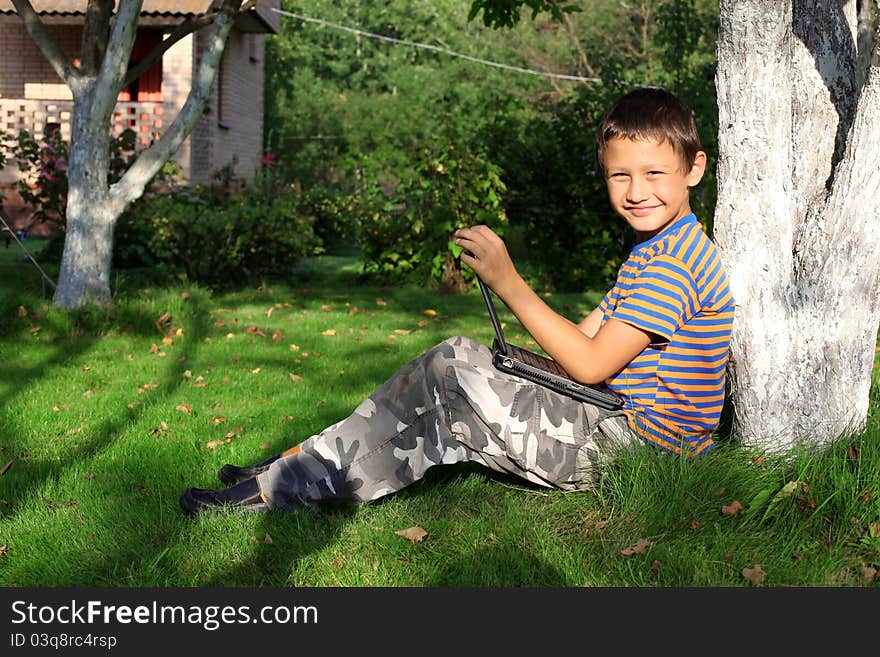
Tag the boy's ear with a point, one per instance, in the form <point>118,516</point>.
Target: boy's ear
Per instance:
<point>698,168</point>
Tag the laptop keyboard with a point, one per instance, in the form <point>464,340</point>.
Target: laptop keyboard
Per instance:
<point>535,360</point>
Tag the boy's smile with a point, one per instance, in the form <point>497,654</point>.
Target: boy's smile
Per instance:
<point>648,184</point>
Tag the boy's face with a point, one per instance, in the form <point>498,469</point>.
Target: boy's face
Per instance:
<point>647,183</point>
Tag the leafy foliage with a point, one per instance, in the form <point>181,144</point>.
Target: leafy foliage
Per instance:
<point>217,235</point>
<point>352,118</point>
<point>409,229</point>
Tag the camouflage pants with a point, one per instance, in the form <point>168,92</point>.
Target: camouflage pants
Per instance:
<point>449,405</point>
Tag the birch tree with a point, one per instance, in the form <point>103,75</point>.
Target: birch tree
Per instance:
<point>797,216</point>
<point>93,205</point>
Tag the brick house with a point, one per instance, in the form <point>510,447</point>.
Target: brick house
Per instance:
<point>231,128</point>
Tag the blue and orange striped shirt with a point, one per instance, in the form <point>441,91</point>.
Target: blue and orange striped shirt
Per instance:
<point>674,287</point>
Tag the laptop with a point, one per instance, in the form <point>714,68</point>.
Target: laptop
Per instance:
<point>541,370</point>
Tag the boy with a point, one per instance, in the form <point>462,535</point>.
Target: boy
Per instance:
<point>659,338</point>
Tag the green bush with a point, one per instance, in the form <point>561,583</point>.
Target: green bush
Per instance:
<point>405,229</point>
<point>217,236</point>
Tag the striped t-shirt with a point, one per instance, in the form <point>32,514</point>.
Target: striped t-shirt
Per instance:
<point>674,287</point>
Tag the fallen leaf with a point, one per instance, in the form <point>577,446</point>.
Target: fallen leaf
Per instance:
<point>164,318</point>
<point>353,310</point>
<point>218,419</point>
<point>732,509</point>
<point>638,547</point>
<point>185,295</point>
<point>256,370</point>
<point>214,444</point>
<point>414,534</point>
<point>184,408</point>
<point>187,374</point>
<point>755,575</point>
<point>758,460</point>
<point>22,311</point>
<point>266,540</point>
<point>3,549</point>
<point>294,377</point>
<point>326,308</point>
<point>381,302</point>
<point>329,332</point>
<point>695,524</point>
<point>166,340</point>
<point>429,313</point>
<point>147,386</point>
<point>264,445</point>
<point>422,323</point>
<point>867,495</point>
<point>286,419</point>
<point>6,467</point>
<point>270,311</point>
<point>277,335</point>
<point>254,330</point>
<point>852,452</point>
<point>402,331</point>
<point>154,348</point>
<point>294,347</point>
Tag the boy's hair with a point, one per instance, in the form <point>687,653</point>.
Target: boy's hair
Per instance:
<point>650,113</point>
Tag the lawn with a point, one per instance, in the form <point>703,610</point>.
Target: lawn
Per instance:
<point>106,415</point>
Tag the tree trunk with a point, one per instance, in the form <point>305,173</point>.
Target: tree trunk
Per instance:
<point>796,218</point>
<point>88,243</point>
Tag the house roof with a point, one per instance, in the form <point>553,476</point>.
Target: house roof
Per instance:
<point>156,10</point>
<point>74,7</point>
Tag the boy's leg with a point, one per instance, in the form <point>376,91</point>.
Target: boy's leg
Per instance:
<point>448,405</point>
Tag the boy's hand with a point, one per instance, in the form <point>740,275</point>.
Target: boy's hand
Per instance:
<point>487,255</point>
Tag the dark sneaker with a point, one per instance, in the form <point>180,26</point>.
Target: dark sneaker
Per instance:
<point>243,497</point>
<point>233,474</point>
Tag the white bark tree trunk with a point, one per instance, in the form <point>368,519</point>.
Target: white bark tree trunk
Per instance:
<point>797,220</point>
<point>93,206</point>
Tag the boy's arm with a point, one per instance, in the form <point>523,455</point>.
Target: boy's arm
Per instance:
<point>587,359</point>
<point>590,324</point>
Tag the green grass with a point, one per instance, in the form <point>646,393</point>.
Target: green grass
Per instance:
<point>105,424</point>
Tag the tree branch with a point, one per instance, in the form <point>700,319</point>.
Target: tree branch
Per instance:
<point>131,186</point>
<point>95,33</point>
<point>182,30</point>
<point>46,42</point>
<point>187,27</point>
<point>115,62</point>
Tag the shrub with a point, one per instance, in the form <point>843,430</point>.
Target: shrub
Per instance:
<point>217,236</point>
<point>405,229</point>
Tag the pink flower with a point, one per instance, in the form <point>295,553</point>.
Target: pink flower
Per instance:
<point>268,160</point>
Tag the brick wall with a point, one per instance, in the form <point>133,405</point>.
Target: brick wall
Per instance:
<point>231,128</point>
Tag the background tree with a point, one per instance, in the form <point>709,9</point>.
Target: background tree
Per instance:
<point>93,204</point>
<point>797,219</point>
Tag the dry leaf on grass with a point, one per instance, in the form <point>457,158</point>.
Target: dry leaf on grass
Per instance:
<point>294,377</point>
<point>266,540</point>
<point>755,575</point>
<point>414,534</point>
<point>329,332</point>
<point>184,408</point>
<point>638,548</point>
<point>6,467</point>
<point>732,509</point>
